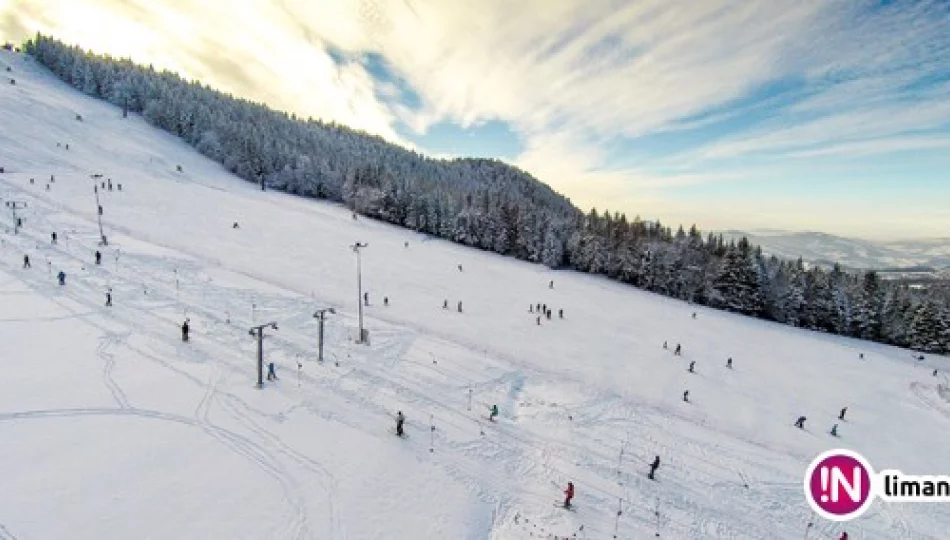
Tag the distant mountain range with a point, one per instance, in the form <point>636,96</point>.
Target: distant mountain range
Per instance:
<point>826,249</point>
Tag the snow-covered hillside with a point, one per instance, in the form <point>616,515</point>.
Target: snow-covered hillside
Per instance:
<point>112,427</point>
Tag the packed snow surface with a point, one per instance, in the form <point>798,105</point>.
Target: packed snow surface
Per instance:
<point>112,427</point>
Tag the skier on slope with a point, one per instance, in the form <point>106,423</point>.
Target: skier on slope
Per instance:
<point>729,363</point>
<point>400,419</point>
<point>841,415</point>
<point>692,365</point>
<point>109,298</point>
<point>62,277</point>
<point>53,238</point>
<point>834,430</point>
<point>98,257</point>
<point>184,330</point>
<point>271,372</point>
<point>679,350</point>
<point>568,494</point>
<point>26,264</point>
<point>460,306</point>
<point>800,423</point>
<point>844,536</point>
<point>686,396</point>
<point>560,313</point>
<point>653,467</point>
<point>494,413</point>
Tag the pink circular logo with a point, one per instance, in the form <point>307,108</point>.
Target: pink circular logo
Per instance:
<point>838,485</point>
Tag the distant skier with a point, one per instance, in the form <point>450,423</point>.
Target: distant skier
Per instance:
<point>61,276</point>
<point>691,366</point>
<point>844,536</point>
<point>235,226</point>
<point>110,184</point>
<point>686,396</point>
<point>665,346</point>
<point>460,268</point>
<point>26,264</point>
<point>729,363</point>
<point>494,413</point>
<point>271,372</point>
<point>834,430</point>
<point>109,298</point>
<point>861,356</point>
<point>551,285</point>
<point>568,494</point>
<point>538,320</point>
<point>119,187</point>
<point>679,350</point>
<point>386,301</point>
<point>407,244</point>
<point>653,467</point>
<point>98,257</point>
<point>366,298</point>
<point>400,419</point>
<point>53,237</point>
<point>935,371</point>
<point>538,307</point>
<point>445,304</point>
<point>184,330</point>
<point>549,314</point>
<point>800,423</point>
<point>560,313</point>
<point>694,314</point>
<point>531,308</point>
<point>460,306</point>
<point>841,415</point>
<point>544,307</point>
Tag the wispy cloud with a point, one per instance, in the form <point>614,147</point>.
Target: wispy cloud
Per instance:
<point>570,78</point>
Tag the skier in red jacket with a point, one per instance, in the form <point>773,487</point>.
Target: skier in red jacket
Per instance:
<point>844,536</point>
<point>568,494</point>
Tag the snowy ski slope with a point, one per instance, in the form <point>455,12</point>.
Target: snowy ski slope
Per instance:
<point>111,427</point>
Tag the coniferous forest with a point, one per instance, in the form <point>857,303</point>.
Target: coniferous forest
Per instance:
<point>493,206</point>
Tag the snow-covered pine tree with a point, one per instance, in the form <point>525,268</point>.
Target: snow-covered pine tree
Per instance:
<point>736,287</point>
<point>928,328</point>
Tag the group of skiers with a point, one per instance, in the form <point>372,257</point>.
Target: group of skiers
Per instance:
<point>800,423</point>
<point>61,275</point>
<point>544,311</point>
<point>445,305</point>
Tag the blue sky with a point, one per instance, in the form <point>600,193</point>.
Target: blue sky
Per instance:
<point>819,115</point>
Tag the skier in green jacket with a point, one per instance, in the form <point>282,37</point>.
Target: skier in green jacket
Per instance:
<point>494,413</point>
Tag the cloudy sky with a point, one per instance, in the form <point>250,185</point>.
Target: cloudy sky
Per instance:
<point>811,115</point>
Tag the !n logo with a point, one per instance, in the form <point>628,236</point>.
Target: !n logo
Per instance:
<point>838,485</point>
